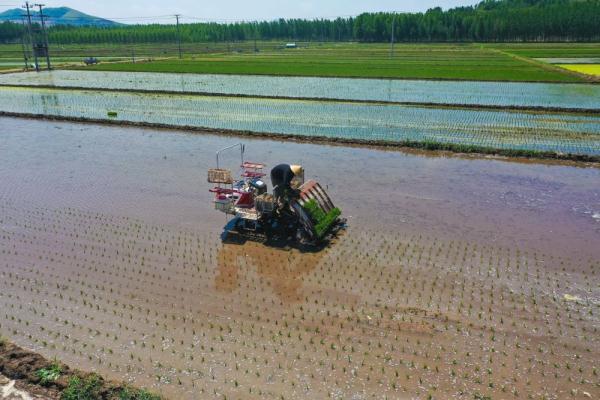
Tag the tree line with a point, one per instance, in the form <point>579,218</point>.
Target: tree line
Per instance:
<point>490,20</point>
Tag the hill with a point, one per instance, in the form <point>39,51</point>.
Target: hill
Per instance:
<point>59,16</point>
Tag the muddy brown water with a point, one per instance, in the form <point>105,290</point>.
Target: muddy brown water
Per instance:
<point>457,276</point>
<point>161,176</point>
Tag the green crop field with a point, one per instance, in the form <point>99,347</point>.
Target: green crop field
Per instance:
<point>471,61</point>
<point>429,61</point>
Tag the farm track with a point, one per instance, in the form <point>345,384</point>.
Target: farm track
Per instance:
<point>10,71</point>
<point>466,106</point>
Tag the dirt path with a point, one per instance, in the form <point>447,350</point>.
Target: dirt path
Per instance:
<point>10,391</point>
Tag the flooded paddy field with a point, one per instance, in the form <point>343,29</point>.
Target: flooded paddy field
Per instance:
<point>457,277</point>
<point>502,94</point>
<point>391,123</point>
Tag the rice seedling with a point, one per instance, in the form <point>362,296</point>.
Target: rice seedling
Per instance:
<point>463,130</point>
<point>388,313</point>
<point>408,91</point>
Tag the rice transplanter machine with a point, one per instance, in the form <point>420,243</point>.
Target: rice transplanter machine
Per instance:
<point>296,210</point>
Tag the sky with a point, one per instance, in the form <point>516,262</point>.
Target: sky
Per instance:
<point>145,11</point>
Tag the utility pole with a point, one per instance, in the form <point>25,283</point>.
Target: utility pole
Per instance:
<point>47,49</point>
<point>392,38</point>
<point>178,35</point>
<point>322,32</point>
<point>255,35</point>
<point>25,58</point>
<point>26,6</point>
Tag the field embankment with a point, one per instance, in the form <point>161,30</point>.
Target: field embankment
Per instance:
<point>28,373</point>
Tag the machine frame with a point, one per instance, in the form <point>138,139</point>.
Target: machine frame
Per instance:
<point>297,211</point>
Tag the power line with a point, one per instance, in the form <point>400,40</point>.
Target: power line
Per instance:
<point>190,17</point>
<point>91,18</point>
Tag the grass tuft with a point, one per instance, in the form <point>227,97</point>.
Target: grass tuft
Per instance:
<point>49,375</point>
<point>82,388</point>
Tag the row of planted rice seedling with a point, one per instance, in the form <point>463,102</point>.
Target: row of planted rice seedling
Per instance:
<point>385,315</point>
<point>545,95</point>
<point>575,134</point>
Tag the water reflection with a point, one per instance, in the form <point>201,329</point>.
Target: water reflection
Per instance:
<point>282,268</point>
<point>49,102</point>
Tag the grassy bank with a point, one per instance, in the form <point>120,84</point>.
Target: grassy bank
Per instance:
<point>54,380</point>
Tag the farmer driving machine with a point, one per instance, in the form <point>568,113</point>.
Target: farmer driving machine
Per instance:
<point>296,210</point>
